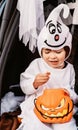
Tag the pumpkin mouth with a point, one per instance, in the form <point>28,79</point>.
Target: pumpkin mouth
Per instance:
<point>59,114</point>
<point>62,114</point>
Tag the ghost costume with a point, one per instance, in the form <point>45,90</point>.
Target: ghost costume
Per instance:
<point>63,78</point>
<point>54,35</point>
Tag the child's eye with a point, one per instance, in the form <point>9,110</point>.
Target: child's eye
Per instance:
<point>58,52</point>
<point>47,52</point>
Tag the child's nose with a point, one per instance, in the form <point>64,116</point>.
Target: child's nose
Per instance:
<point>52,55</point>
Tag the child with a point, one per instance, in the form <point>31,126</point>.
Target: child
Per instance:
<point>50,71</point>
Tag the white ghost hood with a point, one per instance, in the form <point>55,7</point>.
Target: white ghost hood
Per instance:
<point>55,34</point>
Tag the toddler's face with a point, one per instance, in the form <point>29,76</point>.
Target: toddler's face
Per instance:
<point>54,58</point>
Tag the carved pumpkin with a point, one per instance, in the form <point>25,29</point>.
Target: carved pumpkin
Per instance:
<point>54,106</point>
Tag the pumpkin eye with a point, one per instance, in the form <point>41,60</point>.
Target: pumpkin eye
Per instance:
<point>61,104</point>
<point>44,108</point>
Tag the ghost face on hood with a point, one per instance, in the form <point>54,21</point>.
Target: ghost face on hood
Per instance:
<point>55,34</point>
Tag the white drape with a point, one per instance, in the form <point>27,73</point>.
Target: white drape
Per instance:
<point>74,6</point>
<point>31,21</point>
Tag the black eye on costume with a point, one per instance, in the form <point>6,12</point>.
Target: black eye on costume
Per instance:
<point>59,28</point>
<point>52,28</point>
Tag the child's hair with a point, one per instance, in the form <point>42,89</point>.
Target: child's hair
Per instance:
<point>67,50</point>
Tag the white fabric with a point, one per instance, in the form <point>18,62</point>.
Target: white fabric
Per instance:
<point>66,126</point>
<point>74,5</point>
<point>31,21</point>
<point>10,102</point>
<point>67,21</point>
<point>63,78</point>
<point>55,28</point>
<point>55,14</point>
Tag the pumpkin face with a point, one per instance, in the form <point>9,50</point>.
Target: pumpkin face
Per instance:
<point>54,106</point>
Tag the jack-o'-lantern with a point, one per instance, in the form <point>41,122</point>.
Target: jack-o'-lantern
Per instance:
<point>54,106</point>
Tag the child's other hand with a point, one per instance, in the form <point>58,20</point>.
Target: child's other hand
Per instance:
<point>41,79</point>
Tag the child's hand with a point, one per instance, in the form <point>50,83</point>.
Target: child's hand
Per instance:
<point>41,79</point>
<point>66,91</point>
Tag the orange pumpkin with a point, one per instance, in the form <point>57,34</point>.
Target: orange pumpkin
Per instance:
<point>54,106</point>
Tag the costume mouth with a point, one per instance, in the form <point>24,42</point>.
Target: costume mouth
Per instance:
<point>55,45</point>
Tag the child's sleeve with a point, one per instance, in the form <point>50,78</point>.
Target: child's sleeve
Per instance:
<point>27,79</point>
<point>73,94</point>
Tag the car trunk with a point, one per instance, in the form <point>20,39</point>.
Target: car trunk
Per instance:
<point>15,56</point>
